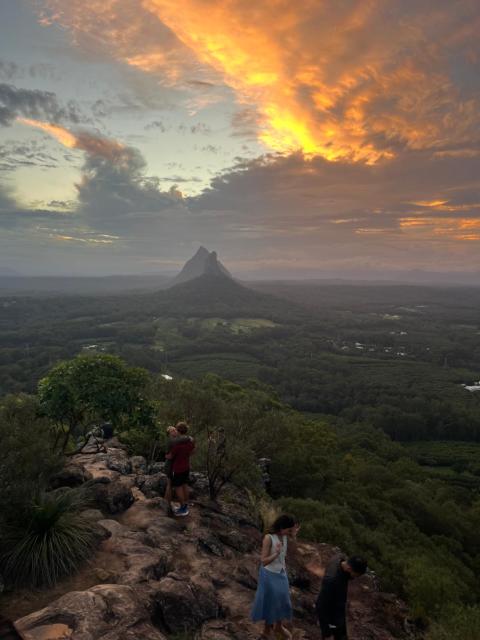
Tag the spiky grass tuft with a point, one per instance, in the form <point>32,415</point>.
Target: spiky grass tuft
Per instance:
<point>53,544</point>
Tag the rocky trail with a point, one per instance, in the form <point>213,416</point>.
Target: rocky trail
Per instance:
<point>154,577</point>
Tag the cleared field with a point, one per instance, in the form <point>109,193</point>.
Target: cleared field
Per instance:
<point>237,367</point>
<point>238,325</point>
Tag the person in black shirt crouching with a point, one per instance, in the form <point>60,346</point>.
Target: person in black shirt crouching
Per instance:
<point>332,599</point>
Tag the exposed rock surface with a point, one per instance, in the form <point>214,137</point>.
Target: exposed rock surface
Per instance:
<point>154,576</point>
<point>202,263</point>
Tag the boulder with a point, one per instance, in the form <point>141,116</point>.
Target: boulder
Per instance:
<point>199,481</point>
<point>73,475</point>
<point>246,575</point>
<point>184,605</point>
<point>237,541</point>
<point>104,611</point>
<point>113,497</point>
<point>156,467</point>
<point>138,464</point>
<point>117,460</point>
<point>210,544</point>
<point>153,486</point>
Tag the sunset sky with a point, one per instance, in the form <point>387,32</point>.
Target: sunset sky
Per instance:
<point>291,137</point>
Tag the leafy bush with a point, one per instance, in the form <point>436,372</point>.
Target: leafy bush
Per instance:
<point>148,441</point>
<point>456,624</point>
<point>54,540</point>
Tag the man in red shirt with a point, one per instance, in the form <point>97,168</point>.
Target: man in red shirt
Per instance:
<point>180,456</point>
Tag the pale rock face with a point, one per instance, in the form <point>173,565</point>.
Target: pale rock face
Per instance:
<point>115,610</point>
<point>158,576</point>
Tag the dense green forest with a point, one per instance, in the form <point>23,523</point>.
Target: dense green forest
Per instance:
<point>391,356</point>
<point>354,392</point>
<point>350,484</point>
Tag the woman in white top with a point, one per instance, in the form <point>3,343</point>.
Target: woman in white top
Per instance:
<point>272,603</point>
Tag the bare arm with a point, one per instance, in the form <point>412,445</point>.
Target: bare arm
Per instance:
<point>268,553</point>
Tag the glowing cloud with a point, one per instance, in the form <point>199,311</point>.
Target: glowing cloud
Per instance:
<point>60,133</point>
<point>93,145</point>
<point>350,80</point>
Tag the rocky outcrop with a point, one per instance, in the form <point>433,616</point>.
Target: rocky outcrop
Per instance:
<point>154,576</point>
<point>202,263</point>
<point>107,611</point>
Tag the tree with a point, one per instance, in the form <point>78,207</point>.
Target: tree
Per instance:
<point>226,459</point>
<point>80,392</point>
<point>28,458</point>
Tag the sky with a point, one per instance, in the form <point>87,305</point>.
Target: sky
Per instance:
<point>293,138</point>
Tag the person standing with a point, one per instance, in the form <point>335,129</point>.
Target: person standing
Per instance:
<point>179,455</point>
<point>332,599</point>
<point>173,438</point>
<point>272,604</point>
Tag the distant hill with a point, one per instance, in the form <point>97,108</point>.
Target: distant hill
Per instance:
<point>219,295</point>
<point>78,285</point>
<point>202,263</point>
<point>7,272</point>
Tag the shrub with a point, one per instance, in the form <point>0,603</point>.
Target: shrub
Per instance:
<point>459,624</point>
<point>54,540</point>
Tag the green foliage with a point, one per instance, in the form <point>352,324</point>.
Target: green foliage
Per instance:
<point>147,441</point>
<point>331,350</point>
<point>460,623</point>
<point>51,542</point>
<point>92,388</point>
<point>226,459</point>
<point>369,497</point>
<point>347,481</point>
<point>27,458</point>
<point>429,584</point>
<point>230,424</point>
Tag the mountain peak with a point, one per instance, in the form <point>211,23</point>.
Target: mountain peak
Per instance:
<point>202,263</point>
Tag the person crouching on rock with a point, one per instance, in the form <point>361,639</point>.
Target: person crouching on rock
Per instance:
<point>178,452</point>
<point>272,603</point>
<point>332,600</point>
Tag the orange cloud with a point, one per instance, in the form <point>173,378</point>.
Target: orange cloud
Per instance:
<point>60,133</point>
<point>463,229</point>
<point>355,81</point>
<point>92,144</point>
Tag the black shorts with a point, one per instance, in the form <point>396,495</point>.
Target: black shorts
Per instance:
<point>178,479</point>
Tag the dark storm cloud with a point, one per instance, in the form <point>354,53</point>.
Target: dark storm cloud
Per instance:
<point>417,209</point>
<point>38,104</point>
<point>13,216</point>
<point>114,192</point>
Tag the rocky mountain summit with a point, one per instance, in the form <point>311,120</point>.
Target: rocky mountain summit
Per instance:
<point>154,577</point>
<point>203,263</point>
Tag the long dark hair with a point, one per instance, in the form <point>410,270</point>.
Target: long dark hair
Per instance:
<point>284,521</point>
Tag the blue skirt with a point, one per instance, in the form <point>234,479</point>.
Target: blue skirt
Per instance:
<point>272,601</point>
